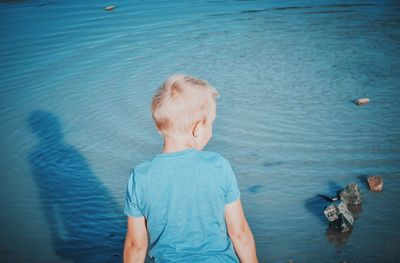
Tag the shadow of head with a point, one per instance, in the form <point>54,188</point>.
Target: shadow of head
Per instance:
<point>46,126</point>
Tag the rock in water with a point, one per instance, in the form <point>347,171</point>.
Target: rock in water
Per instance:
<point>350,195</point>
<point>375,183</point>
<point>109,8</point>
<point>361,101</point>
<point>339,217</point>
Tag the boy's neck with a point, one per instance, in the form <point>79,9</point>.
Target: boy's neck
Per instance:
<point>178,143</point>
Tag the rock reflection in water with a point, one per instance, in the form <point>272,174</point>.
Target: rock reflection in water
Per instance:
<point>337,238</point>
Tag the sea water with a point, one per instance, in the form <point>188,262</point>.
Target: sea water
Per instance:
<point>75,88</point>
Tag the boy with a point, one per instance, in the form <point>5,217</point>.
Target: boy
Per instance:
<point>185,198</point>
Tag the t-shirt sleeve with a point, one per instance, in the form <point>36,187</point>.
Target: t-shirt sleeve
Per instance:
<point>232,192</point>
<point>131,201</point>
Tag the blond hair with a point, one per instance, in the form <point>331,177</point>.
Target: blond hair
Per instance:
<point>180,102</point>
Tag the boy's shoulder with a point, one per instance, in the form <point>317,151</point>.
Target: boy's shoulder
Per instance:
<point>211,156</point>
<point>214,160</point>
<point>142,167</point>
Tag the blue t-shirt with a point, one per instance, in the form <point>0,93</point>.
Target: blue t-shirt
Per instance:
<point>182,195</point>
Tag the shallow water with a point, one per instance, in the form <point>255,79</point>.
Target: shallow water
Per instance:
<point>76,83</point>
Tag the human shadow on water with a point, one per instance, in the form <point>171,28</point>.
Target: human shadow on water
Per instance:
<point>85,222</point>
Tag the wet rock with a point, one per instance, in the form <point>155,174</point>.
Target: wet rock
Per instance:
<point>110,7</point>
<point>375,183</point>
<point>361,101</point>
<point>355,210</point>
<point>339,217</point>
<point>351,195</point>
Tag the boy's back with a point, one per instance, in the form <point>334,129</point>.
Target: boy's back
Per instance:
<point>187,200</point>
<point>182,195</point>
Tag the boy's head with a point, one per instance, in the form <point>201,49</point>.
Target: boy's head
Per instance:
<point>185,105</point>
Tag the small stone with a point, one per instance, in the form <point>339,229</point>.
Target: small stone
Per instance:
<point>361,101</point>
<point>109,8</point>
<point>375,183</point>
<point>290,261</point>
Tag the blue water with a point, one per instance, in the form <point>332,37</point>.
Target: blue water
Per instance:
<point>75,89</point>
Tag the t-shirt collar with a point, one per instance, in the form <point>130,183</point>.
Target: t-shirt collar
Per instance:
<point>176,154</point>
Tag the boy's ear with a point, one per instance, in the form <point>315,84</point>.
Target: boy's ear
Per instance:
<point>195,129</point>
